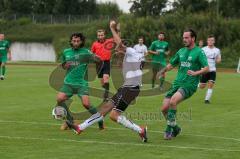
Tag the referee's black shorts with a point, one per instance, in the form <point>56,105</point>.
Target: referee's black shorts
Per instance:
<point>103,68</point>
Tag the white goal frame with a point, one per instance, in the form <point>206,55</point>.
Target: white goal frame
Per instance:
<point>238,68</point>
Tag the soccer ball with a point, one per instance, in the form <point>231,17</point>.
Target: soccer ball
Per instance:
<point>59,113</point>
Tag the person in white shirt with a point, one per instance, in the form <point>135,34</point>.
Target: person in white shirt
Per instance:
<point>141,49</point>
<point>213,56</point>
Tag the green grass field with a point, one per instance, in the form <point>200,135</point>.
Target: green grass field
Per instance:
<point>27,129</point>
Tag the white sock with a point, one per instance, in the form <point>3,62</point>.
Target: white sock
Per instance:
<point>128,124</point>
<point>93,119</point>
<point>208,94</point>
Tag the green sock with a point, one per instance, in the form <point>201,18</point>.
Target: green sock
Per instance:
<point>3,70</point>
<point>93,110</point>
<point>162,79</point>
<point>153,83</point>
<point>171,119</point>
<point>0,70</point>
<point>64,105</point>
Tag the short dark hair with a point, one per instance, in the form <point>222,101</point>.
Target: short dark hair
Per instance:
<point>161,33</point>
<point>78,35</point>
<point>141,37</point>
<point>211,36</point>
<point>192,33</point>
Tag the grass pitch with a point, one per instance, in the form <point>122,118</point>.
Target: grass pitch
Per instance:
<point>27,129</point>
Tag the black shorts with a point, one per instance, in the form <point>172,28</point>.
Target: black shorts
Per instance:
<point>123,97</point>
<point>103,68</point>
<point>210,76</point>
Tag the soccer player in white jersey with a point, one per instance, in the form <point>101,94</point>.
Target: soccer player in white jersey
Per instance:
<point>141,48</point>
<point>128,92</point>
<point>213,56</point>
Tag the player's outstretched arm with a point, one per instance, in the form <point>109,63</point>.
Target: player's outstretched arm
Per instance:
<point>116,36</point>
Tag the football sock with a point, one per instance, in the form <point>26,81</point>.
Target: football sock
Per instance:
<point>93,119</point>
<point>128,124</point>
<point>153,83</point>
<point>0,70</point>
<point>208,94</point>
<point>3,70</point>
<point>162,79</point>
<point>106,87</point>
<point>64,105</point>
<point>93,110</point>
<point>171,120</point>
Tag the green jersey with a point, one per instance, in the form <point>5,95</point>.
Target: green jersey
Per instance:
<point>194,60</point>
<point>161,47</point>
<point>78,61</point>
<point>4,46</point>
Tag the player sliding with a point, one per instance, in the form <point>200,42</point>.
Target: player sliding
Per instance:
<point>213,56</point>
<point>190,60</point>
<point>132,74</point>
<point>74,60</point>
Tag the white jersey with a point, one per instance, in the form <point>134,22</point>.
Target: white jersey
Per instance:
<point>142,49</point>
<point>131,70</point>
<point>211,54</point>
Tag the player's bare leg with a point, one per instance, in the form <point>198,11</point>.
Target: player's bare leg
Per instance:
<point>165,107</point>
<point>105,85</point>
<point>154,75</point>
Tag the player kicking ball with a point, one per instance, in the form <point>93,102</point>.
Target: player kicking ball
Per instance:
<point>75,61</point>
<point>190,60</point>
<point>132,74</point>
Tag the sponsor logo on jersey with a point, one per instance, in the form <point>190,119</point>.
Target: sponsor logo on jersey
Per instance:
<point>185,64</point>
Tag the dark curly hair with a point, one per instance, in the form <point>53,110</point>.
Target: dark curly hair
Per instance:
<point>78,35</point>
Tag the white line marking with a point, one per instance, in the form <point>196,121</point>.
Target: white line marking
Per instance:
<point>118,143</point>
<point>121,129</point>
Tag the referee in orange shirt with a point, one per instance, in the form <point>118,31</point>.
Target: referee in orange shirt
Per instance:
<point>102,50</point>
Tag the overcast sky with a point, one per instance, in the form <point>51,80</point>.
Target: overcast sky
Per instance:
<point>123,4</point>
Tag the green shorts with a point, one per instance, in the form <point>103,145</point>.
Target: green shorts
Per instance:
<point>3,58</point>
<point>186,91</point>
<point>70,90</point>
<point>157,66</point>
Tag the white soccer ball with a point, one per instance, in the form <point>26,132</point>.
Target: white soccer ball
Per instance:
<point>59,113</point>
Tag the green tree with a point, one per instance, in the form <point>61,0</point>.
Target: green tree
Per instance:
<point>147,7</point>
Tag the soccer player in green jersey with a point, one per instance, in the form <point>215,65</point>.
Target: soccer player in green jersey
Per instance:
<point>75,61</point>
<point>189,59</point>
<point>159,50</point>
<point>5,53</point>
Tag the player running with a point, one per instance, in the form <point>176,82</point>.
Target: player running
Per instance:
<point>213,56</point>
<point>102,48</point>
<point>132,74</point>
<point>5,54</point>
<point>190,60</point>
<point>75,60</point>
<point>159,49</point>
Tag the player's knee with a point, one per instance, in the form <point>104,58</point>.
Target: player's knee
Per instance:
<point>202,86</point>
<point>113,116</point>
<point>173,102</point>
<point>61,98</point>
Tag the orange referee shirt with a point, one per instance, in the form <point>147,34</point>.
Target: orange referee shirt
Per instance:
<point>103,49</point>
